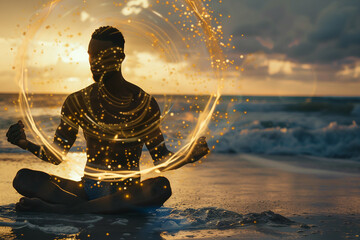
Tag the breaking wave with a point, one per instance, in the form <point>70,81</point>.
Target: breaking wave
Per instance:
<point>267,137</point>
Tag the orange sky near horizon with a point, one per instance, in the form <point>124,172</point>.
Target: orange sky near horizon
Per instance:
<point>58,62</point>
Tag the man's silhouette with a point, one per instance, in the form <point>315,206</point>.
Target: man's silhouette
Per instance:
<point>117,119</point>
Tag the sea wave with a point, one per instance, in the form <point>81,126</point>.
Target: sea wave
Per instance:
<point>356,110</point>
<point>138,224</point>
<point>320,126</point>
<point>323,107</point>
<point>216,218</point>
<point>342,108</point>
<point>334,140</point>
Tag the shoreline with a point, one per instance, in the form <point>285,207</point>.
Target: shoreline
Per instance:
<point>327,201</point>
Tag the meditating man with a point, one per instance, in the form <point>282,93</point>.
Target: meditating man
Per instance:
<point>117,119</point>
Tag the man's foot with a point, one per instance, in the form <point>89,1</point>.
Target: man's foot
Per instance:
<point>37,205</point>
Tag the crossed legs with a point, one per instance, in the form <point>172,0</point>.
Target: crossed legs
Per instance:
<point>48,193</point>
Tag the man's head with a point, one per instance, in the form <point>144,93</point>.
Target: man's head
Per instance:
<point>102,40</point>
<point>111,34</point>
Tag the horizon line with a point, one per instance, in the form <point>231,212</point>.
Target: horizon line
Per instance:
<point>193,94</point>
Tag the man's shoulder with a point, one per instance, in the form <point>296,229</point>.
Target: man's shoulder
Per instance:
<point>80,93</point>
<point>76,99</point>
<point>142,94</point>
<point>135,89</point>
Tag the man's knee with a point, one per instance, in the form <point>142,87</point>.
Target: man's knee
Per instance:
<point>163,187</point>
<point>21,178</point>
<point>27,180</point>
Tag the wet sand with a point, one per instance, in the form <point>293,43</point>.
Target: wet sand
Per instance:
<point>320,192</point>
<point>322,196</point>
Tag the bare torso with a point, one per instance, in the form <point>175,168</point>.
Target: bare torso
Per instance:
<point>115,129</point>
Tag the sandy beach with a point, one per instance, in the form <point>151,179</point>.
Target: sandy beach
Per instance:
<point>320,196</point>
<point>273,86</point>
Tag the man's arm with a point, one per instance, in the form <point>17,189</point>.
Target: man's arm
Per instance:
<point>157,148</point>
<point>64,138</point>
<point>159,152</point>
<point>155,141</point>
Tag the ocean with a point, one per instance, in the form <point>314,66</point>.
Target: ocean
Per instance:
<point>317,126</point>
<point>294,156</point>
<point>314,126</point>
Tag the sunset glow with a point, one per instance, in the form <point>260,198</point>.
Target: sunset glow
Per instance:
<point>257,58</point>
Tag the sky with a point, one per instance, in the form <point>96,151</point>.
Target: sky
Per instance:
<point>274,47</point>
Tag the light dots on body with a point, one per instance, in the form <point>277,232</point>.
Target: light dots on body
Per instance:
<point>196,26</point>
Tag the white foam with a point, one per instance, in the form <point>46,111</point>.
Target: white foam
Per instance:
<point>52,229</point>
<point>217,218</point>
<point>333,140</point>
<point>120,221</point>
<point>55,229</point>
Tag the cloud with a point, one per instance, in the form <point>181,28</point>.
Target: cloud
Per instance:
<point>304,31</point>
<point>134,7</point>
<point>302,41</point>
<point>276,66</point>
<point>281,40</point>
<point>334,37</point>
<point>350,71</point>
<point>84,16</point>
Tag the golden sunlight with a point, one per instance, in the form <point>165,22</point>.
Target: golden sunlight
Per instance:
<point>79,54</point>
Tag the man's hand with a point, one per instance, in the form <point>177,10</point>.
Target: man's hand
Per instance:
<point>199,150</point>
<point>16,135</point>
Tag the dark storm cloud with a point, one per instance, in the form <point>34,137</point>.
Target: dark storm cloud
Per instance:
<point>321,31</point>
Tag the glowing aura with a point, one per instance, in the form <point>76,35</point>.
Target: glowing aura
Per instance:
<point>218,63</point>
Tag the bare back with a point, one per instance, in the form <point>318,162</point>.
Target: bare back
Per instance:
<point>115,130</point>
